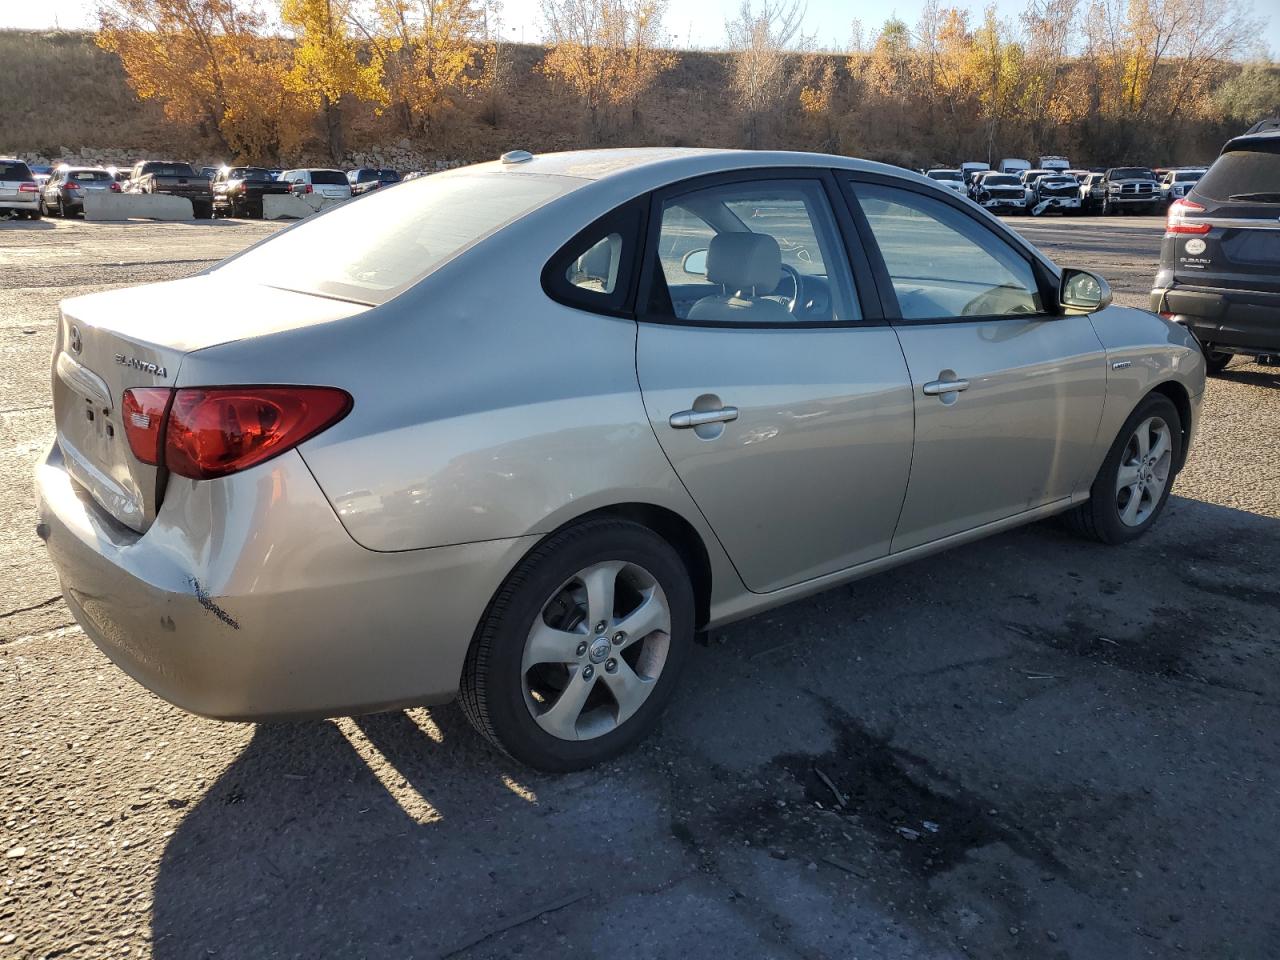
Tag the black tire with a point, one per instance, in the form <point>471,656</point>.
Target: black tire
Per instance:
<point>493,684</point>
<point>43,207</point>
<point>1099,517</point>
<point>1215,361</point>
<point>203,211</point>
<point>33,214</point>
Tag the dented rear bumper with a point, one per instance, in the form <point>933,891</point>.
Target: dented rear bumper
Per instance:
<point>247,600</point>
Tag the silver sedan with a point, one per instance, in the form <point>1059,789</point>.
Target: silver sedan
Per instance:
<point>516,432</point>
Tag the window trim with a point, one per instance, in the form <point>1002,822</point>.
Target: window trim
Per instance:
<point>1047,276</point>
<point>853,258</point>
<point>628,221</point>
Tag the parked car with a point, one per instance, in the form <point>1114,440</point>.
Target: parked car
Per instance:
<point>65,192</point>
<point>357,475</point>
<point>19,194</point>
<point>368,179</point>
<point>1054,192</point>
<point>174,178</point>
<point>998,192</point>
<point>209,172</point>
<point>1130,188</point>
<point>953,179</point>
<point>1091,193</point>
<point>1013,165</point>
<point>1175,183</point>
<point>238,191</point>
<point>330,184</point>
<point>1056,164</point>
<point>971,167</point>
<point>1219,271</point>
<point>42,172</point>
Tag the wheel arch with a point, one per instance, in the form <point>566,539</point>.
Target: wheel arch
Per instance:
<point>1181,400</point>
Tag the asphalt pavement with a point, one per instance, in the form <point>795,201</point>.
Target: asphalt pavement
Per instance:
<point>1028,747</point>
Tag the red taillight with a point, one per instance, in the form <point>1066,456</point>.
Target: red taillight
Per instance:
<point>72,185</point>
<point>308,189</point>
<point>115,187</point>
<point>1177,221</point>
<point>28,188</point>
<point>143,409</point>
<point>219,430</point>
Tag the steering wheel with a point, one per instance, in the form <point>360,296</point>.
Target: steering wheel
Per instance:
<point>797,288</point>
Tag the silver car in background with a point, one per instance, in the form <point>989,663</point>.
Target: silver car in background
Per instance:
<point>518,430</point>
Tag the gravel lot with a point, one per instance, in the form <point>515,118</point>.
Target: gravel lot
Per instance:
<point>1030,747</point>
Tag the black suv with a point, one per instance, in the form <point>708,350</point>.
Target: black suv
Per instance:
<point>1220,260</point>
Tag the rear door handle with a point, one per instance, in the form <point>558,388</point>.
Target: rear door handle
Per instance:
<point>686,419</point>
<point>937,388</point>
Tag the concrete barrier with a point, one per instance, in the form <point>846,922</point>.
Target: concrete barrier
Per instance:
<point>292,206</point>
<point>102,205</point>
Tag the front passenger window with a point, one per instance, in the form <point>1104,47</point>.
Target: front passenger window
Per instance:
<point>943,264</point>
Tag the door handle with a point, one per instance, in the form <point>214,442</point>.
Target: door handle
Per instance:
<point>686,419</point>
<point>936,388</point>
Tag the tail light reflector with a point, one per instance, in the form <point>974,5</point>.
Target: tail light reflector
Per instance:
<point>1177,221</point>
<point>28,188</point>
<point>115,186</point>
<point>215,431</point>
<point>144,409</point>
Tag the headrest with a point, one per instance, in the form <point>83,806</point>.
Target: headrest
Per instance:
<point>744,260</point>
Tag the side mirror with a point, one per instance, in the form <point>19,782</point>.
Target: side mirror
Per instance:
<point>1083,292</point>
<point>695,262</point>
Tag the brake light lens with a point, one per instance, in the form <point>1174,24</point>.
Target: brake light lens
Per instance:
<point>72,185</point>
<point>216,431</point>
<point>307,189</point>
<point>28,188</point>
<point>1177,221</point>
<point>144,409</point>
<point>115,187</point>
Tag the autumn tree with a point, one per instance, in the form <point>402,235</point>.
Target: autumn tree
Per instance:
<point>208,63</point>
<point>428,53</point>
<point>998,69</point>
<point>764,40</point>
<point>1252,94</point>
<point>1049,27</point>
<point>327,65</point>
<point>887,71</point>
<point>607,52</point>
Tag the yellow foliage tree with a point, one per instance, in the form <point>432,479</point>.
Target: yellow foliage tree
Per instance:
<point>207,62</point>
<point>608,52</point>
<point>326,63</point>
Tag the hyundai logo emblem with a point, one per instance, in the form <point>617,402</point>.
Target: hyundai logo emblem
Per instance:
<point>76,343</point>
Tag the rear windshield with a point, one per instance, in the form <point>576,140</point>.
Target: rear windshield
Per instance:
<point>169,169</point>
<point>375,249</point>
<point>388,176</point>
<point>1188,176</point>
<point>90,176</point>
<point>1132,173</point>
<point>14,170</point>
<point>943,174</point>
<point>1251,169</point>
<point>250,173</point>
<point>332,177</point>
<point>1001,180</point>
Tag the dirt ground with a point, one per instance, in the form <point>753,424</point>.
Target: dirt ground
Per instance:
<point>1030,747</point>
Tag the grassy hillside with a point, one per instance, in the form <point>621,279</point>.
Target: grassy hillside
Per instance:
<point>59,93</point>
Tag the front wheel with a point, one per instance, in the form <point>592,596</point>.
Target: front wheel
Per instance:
<point>582,646</point>
<point>1133,484</point>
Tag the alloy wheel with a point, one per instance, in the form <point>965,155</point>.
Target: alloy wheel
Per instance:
<point>1144,471</point>
<point>595,651</point>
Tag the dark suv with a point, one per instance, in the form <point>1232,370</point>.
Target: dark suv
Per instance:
<point>1220,260</point>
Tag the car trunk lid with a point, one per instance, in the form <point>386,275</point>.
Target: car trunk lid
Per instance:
<point>111,342</point>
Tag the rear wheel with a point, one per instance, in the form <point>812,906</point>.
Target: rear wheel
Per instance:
<point>1133,483</point>
<point>581,648</point>
<point>1215,360</point>
<point>34,214</point>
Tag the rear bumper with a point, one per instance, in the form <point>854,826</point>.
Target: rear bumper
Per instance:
<point>1243,320</point>
<point>247,600</point>
<point>32,204</point>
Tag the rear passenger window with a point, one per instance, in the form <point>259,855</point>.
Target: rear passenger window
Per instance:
<point>594,270</point>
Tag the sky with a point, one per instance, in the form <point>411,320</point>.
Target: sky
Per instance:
<point>692,23</point>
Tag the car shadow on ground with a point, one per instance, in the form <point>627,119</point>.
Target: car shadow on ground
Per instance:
<point>896,768</point>
<point>1252,374</point>
<point>9,223</point>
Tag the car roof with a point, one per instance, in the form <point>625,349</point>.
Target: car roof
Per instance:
<point>1250,139</point>
<point>648,168</point>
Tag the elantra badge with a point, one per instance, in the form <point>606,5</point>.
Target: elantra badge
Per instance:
<point>142,365</point>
